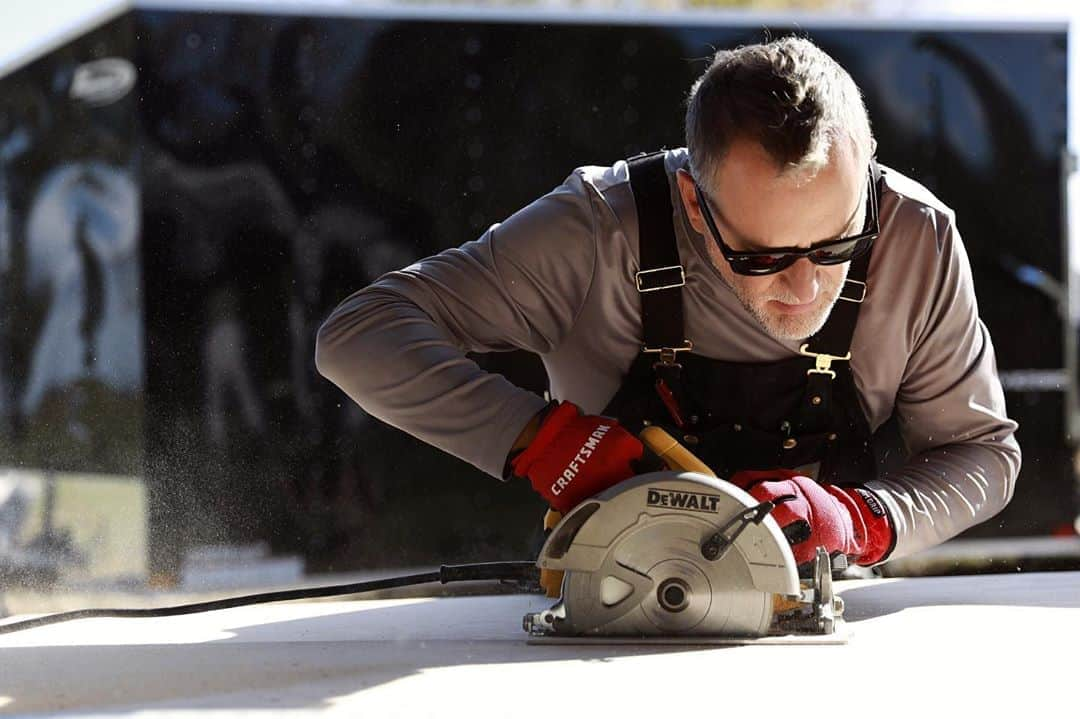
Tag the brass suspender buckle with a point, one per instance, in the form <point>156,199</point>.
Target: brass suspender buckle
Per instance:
<point>822,361</point>
<point>666,278</point>
<point>668,354</point>
<point>858,291</point>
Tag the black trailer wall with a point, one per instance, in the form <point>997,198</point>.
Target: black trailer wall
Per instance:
<point>287,161</point>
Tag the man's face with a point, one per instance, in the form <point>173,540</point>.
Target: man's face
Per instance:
<point>757,209</point>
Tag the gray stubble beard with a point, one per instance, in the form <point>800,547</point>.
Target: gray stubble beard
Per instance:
<point>797,326</point>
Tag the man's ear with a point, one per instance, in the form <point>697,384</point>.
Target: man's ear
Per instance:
<point>688,194</point>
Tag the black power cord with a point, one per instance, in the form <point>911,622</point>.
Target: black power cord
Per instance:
<point>510,571</point>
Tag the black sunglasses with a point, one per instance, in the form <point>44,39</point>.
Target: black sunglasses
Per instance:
<point>833,252</point>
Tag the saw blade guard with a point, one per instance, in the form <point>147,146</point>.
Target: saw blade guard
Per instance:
<point>634,561</point>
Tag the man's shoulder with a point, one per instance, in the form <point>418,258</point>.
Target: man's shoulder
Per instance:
<point>609,187</point>
<point>603,178</point>
<point>918,238</point>
<point>912,199</point>
<point>616,176</point>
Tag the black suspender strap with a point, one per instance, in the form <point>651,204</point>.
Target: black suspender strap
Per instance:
<point>661,275</point>
<point>833,342</point>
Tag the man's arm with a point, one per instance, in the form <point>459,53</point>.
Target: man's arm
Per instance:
<point>964,459</point>
<point>397,347</point>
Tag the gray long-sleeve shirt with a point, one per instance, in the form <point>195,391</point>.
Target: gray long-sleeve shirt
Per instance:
<point>557,278</point>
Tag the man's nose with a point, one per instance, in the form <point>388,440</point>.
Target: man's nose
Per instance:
<point>801,279</point>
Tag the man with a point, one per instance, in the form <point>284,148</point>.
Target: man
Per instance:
<point>770,294</point>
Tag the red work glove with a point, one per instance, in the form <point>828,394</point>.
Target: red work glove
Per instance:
<point>848,520</point>
<point>574,456</point>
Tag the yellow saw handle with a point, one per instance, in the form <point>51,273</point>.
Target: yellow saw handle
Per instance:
<point>668,449</point>
<point>675,456</point>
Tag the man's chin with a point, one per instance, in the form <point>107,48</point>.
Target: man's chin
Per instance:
<point>787,326</point>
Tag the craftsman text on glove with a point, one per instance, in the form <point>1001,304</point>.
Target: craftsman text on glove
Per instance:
<point>682,500</point>
<point>576,463</point>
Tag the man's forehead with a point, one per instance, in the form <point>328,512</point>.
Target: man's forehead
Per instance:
<point>761,208</point>
<point>753,242</point>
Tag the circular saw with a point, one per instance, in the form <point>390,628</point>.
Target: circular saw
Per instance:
<point>680,555</point>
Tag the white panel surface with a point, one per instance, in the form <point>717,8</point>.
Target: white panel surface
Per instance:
<point>947,646</point>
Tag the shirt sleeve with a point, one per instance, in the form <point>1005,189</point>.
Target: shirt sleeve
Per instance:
<point>950,406</point>
<point>398,347</point>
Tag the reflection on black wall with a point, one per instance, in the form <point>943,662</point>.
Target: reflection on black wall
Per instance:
<point>71,332</point>
<point>288,161</point>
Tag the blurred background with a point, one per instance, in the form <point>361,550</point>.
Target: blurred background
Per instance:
<point>188,188</point>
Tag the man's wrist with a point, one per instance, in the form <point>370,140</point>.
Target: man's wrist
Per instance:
<point>879,538</point>
<point>528,434</point>
<point>525,438</point>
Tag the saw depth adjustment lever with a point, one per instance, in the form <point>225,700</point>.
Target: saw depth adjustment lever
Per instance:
<point>717,545</point>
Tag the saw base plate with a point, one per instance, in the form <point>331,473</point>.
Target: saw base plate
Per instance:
<point>839,636</point>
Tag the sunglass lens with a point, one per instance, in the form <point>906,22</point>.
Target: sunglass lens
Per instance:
<point>764,264</point>
<point>835,254</point>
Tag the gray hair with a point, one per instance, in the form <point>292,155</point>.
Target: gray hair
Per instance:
<point>787,95</point>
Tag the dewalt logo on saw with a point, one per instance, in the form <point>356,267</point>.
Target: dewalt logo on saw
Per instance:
<point>683,500</point>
